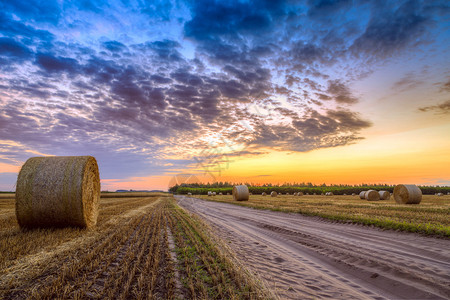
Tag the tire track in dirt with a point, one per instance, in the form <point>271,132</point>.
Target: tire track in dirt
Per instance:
<point>308,257</point>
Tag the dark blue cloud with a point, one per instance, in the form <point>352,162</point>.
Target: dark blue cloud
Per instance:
<point>114,46</point>
<point>12,52</point>
<point>56,64</point>
<point>393,29</point>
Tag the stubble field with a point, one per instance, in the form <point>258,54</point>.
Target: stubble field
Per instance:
<point>431,216</point>
<point>142,247</point>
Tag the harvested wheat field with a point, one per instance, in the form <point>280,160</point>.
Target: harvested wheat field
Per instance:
<point>142,247</point>
<point>307,257</point>
<point>432,216</point>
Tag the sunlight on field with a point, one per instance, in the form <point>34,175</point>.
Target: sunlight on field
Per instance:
<point>432,215</point>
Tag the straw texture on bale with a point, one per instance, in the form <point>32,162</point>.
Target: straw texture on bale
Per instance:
<point>273,194</point>
<point>372,195</point>
<point>384,195</point>
<point>407,194</point>
<point>240,193</point>
<point>362,195</point>
<point>58,191</point>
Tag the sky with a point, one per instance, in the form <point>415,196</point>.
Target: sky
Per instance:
<point>165,92</point>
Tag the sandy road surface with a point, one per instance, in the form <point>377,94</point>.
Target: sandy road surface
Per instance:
<point>304,257</point>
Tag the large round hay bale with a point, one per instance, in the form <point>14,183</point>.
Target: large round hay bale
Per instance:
<point>407,194</point>
<point>384,195</point>
<point>372,195</point>
<point>362,195</point>
<point>58,191</point>
<point>240,193</point>
<point>273,194</point>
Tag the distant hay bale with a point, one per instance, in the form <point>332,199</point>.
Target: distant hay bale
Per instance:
<point>440,194</point>
<point>264,194</point>
<point>220,194</point>
<point>372,195</point>
<point>228,194</point>
<point>384,195</point>
<point>273,194</point>
<point>209,193</point>
<point>344,194</point>
<point>307,194</point>
<point>214,193</point>
<point>240,193</point>
<point>353,194</point>
<point>329,194</point>
<point>251,193</point>
<point>300,194</point>
<point>407,194</point>
<point>189,194</point>
<point>58,191</point>
<point>362,195</point>
<point>314,194</point>
<point>448,193</point>
<point>287,193</point>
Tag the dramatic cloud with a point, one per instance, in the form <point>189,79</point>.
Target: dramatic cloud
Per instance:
<point>140,84</point>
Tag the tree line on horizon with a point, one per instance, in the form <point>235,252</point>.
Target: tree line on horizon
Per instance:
<point>337,189</point>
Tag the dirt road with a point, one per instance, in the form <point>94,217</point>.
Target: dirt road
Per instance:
<point>308,258</point>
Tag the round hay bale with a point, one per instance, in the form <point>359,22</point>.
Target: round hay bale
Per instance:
<point>307,194</point>
<point>214,193</point>
<point>372,195</point>
<point>189,194</point>
<point>240,193</point>
<point>448,193</point>
<point>294,194</point>
<point>300,194</point>
<point>220,194</point>
<point>440,194</point>
<point>228,194</point>
<point>407,194</point>
<point>264,194</point>
<point>287,193</point>
<point>330,194</point>
<point>209,193</point>
<point>58,191</point>
<point>353,194</point>
<point>344,194</point>
<point>273,194</point>
<point>314,194</point>
<point>362,195</point>
<point>384,195</point>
